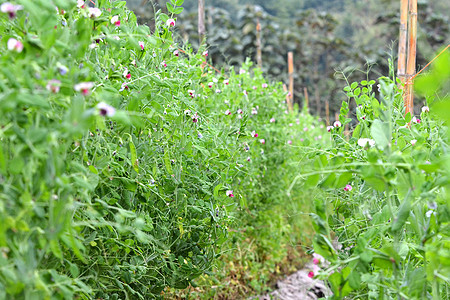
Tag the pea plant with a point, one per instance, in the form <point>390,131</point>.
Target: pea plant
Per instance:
<point>382,212</point>
<point>124,159</point>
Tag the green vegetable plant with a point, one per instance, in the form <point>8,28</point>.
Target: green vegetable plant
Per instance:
<point>382,214</point>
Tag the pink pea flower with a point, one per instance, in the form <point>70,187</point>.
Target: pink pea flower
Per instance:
<point>262,141</point>
<point>84,87</point>
<point>348,188</point>
<point>10,9</point>
<point>115,20</point>
<point>305,129</point>
<point>53,86</point>
<point>329,128</point>
<point>249,158</point>
<point>141,44</point>
<point>126,74</point>
<point>290,124</point>
<point>226,81</point>
<point>229,193</point>
<point>413,142</point>
<point>170,22</point>
<point>210,85</point>
<point>218,91</point>
<point>191,93</point>
<point>176,53</point>
<point>315,261</point>
<point>241,71</point>
<point>264,85</point>
<point>228,112</point>
<point>15,45</point>
<point>425,109</point>
<point>254,111</point>
<point>254,87</point>
<point>105,109</point>
<point>195,118</point>
<point>245,92</point>
<point>416,120</point>
<point>239,111</point>
<point>80,4</point>
<point>289,142</point>
<point>94,12</point>
<point>163,63</point>
<point>311,274</point>
<point>123,87</point>
<point>337,124</point>
<point>205,53</point>
<point>272,120</point>
<point>254,134</point>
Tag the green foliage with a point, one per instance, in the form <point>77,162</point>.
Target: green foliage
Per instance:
<point>391,221</point>
<point>117,158</point>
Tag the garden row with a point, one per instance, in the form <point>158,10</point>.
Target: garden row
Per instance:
<point>128,165</point>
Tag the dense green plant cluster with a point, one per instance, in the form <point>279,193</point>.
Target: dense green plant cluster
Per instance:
<point>126,162</point>
<point>384,195</point>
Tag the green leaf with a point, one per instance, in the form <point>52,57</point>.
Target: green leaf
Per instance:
<point>134,160</point>
<point>178,10</point>
<point>169,7</point>
<point>354,85</point>
<point>402,215</point>
<point>381,134</point>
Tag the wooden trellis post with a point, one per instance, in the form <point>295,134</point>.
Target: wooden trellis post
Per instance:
<point>201,21</point>
<point>291,78</point>
<point>327,111</point>
<point>258,44</point>
<point>305,92</point>
<point>407,50</point>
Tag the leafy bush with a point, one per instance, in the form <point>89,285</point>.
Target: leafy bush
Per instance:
<point>124,160</point>
<point>384,196</point>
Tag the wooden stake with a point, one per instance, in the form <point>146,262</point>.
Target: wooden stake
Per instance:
<point>291,76</point>
<point>305,91</point>
<point>258,44</point>
<point>327,112</point>
<point>401,67</point>
<point>201,21</point>
<point>411,63</point>
<point>288,99</point>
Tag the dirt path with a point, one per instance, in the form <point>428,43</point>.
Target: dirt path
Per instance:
<point>298,286</point>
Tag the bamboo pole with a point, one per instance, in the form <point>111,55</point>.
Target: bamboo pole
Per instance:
<point>201,21</point>
<point>305,92</point>
<point>288,99</point>
<point>291,76</point>
<point>411,62</point>
<point>258,44</point>
<point>401,67</point>
<point>327,111</point>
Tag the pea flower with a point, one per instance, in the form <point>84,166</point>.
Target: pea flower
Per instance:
<point>425,109</point>
<point>289,142</point>
<point>337,124</point>
<point>241,71</point>
<point>249,158</point>
<point>195,118</point>
<point>305,129</point>
<point>254,134</point>
<point>191,93</point>
<point>126,74</point>
<point>170,22</point>
<point>262,141</point>
<point>84,87</point>
<point>228,112</point>
<point>115,20</point>
<point>15,45</point>
<point>226,81</point>
<point>94,12</point>
<point>272,120</point>
<point>239,111</point>
<point>348,188</point>
<point>10,9</point>
<point>311,274</point>
<point>254,111</point>
<point>229,193</point>
<point>363,142</point>
<point>329,128</point>
<point>413,142</point>
<point>416,120</point>
<point>264,85</point>
<point>105,109</point>
<point>141,44</point>
<point>163,63</point>
<point>205,53</point>
<point>176,53</point>
<point>80,4</point>
<point>53,86</point>
<point>210,85</point>
<point>218,91</point>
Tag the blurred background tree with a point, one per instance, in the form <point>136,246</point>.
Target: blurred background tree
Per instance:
<point>327,37</point>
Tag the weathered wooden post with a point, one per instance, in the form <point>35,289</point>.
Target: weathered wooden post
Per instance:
<point>401,66</point>
<point>258,44</point>
<point>201,21</point>
<point>305,92</point>
<point>291,77</point>
<point>327,111</point>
